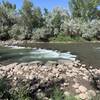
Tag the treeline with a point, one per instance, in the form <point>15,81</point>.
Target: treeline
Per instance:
<point>30,23</point>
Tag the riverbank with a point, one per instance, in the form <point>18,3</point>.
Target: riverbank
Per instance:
<point>19,42</point>
<point>71,76</point>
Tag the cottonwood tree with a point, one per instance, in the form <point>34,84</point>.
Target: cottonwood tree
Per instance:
<point>85,9</point>
<point>7,19</point>
<point>31,17</point>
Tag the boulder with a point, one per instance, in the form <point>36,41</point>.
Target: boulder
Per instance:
<point>82,89</point>
<point>91,93</point>
<point>76,85</point>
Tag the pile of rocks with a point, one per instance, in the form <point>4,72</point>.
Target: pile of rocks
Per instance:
<point>72,76</point>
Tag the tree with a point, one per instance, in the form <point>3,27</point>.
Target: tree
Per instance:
<point>7,19</point>
<point>31,18</point>
<point>26,14</point>
<point>56,22</point>
<point>85,9</point>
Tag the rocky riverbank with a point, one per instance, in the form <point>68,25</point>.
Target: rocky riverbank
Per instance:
<point>72,76</point>
<point>20,42</point>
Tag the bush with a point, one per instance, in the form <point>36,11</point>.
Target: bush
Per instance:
<point>20,93</point>
<point>64,38</point>
<point>57,94</point>
<point>4,88</point>
<point>41,33</point>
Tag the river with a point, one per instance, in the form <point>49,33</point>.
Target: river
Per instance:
<point>88,53</point>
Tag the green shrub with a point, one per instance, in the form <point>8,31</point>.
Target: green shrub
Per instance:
<point>4,88</point>
<point>21,93</point>
<point>41,33</point>
<point>65,38</point>
<point>57,94</point>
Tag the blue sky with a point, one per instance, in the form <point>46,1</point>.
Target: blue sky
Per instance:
<point>50,4</point>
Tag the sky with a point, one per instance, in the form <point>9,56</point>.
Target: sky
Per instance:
<point>49,4</point>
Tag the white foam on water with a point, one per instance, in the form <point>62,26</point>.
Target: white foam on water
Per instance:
<point>15,47</point>
<point>43,53</point>
<point>98,48</point>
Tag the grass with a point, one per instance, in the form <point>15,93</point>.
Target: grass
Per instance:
<point>57,94</point>
<point>65,38</point>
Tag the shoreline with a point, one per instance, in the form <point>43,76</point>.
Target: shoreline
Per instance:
<point>14,42</point>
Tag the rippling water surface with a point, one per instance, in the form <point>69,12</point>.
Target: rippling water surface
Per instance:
<point>22,54</point>
<point>88,53</point>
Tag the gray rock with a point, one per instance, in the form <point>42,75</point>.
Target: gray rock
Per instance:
<point>77,91</point>
<point>82,89</point>
<point>76,85</point>
<point>91,93</point>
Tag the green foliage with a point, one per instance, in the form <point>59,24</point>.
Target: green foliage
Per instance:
<point>7,19</point>
<point>8,93</point>
<point>30,23</point>
<point>54,19</point>
<point>4,88</point>
<point>41,33</point>
<point>90,29</point>
<point>85,9</point>
<point>32,16</point>
<point>71,98</point>
<point>57,94</point>
<point>21,93</point>
<point>66,38</point>
<point>72,27</point>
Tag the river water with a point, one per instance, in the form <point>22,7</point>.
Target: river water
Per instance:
<point>88,53</point>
